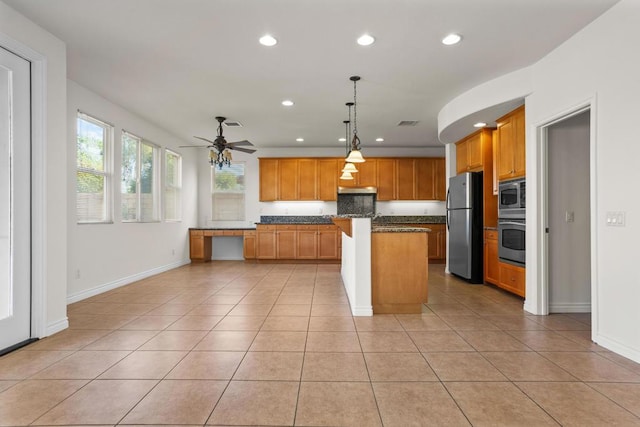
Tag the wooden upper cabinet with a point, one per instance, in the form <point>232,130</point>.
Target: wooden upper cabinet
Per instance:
<point>425,179</point>
<point>268,180</point>
<point>307,179</point>
<point>328,179</point>
<point>405,179</point>
<point>440,178</point>
<point>469,154</point>
<point>288,179</point>
<point>367,175</point>
<point>386,179</point>
<point>511,145</point>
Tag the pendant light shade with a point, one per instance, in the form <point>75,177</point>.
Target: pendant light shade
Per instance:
<point>346,176</point>
<point>350,168</point>
<point>355,156</point>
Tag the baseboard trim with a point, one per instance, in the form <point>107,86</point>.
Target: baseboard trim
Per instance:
<point>570,307</point>
<point>57,326</point>
<point>79,296</point>
<point>362,311</point>
<point>619,348</point>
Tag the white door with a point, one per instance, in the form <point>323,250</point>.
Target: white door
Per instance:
<point>15,200</point>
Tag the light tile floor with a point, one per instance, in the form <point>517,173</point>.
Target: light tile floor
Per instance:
<point>233,343</point>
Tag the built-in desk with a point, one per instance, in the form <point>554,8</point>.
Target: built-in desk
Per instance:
<point>200,241</point>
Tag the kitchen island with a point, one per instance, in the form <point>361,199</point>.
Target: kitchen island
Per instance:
<point>384,268</point>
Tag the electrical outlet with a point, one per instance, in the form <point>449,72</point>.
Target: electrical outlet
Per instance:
<point>569,216</point>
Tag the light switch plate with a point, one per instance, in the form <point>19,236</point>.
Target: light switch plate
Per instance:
<point>616,219</point>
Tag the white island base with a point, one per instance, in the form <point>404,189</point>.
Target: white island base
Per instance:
<point>356,266</point>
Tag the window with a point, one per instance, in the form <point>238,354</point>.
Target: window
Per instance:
<point>228,192</point>
<point>93,170</point>
<point>139,186</point>
<point>172,186</point>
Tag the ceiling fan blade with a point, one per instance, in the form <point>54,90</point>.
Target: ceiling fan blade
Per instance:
<point>243,142</point>
<point>205,139</point>
<point>244,150</point>
<point>194,146</point>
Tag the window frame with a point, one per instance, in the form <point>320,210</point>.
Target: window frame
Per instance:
<point>214,168</point>
<point>155,185</point>
<point>107,165</point>
<point>177,187</point>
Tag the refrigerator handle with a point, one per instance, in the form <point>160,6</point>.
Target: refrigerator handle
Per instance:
<point>447,207</point>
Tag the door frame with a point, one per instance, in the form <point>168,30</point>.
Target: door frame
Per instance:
<point>38,183</point>
<point>541,292</point>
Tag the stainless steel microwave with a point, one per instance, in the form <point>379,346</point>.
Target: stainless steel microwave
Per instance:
<point>512,199</point>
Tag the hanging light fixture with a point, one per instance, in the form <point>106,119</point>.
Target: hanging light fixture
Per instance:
<point>349,168</point>
<point>355,156</point>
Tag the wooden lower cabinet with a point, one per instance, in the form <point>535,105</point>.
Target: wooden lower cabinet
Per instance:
<point>307,242</point>
<point>286,241</point>
<point>199,246</point>
<point>437,243</point>
<point>399,270</point>
<point>249,245</point>
<point>491,269</point>
<point>329,242</point>
<point>512,278</point>
<point>265,241</point>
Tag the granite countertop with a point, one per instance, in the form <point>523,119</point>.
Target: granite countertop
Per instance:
<point>377,219</point>
<point>222,228</point>
<point>398,229</point>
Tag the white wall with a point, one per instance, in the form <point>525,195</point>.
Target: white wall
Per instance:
<point>51,129</point>
<point>598,66</point>
<point>104,256</point>
<point>254,208</point>
<point>568,192</point>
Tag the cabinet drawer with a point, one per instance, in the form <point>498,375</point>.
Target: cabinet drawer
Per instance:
<point>232,233</point>
<point>325,227</point>
<point>249,233</point>
<point>264,227</point>
<point>307,227</point>
<point>491,234</point>
<point>196,232</point>
<point>283,227</point>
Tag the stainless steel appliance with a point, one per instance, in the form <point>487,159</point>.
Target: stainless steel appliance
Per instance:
<point>512,199</point>
<point>511,240</point>
<point>464,222</point>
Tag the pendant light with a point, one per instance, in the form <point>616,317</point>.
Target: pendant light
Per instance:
<point>355,156</point>
<point>349,168</point>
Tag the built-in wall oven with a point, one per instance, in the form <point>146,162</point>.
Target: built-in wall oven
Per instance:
<point>511,221</point>
<point>511,240</point>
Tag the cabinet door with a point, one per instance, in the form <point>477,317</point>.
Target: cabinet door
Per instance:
<point>307,179</point>
<point>474,152</point>
<point>405,178</point>
<point>386,181</point>
<point>196,247</point>
<point>440,179</point>
<point>329,239</point>
<point>265,242</point>
<point>268,180</point>
<point>505,144</point>
<point>288,179</point>
<point>249,245</point>
<point>491,270</point>
<point>512,278</point>
<point>328,179</point>
<point>461,157</point>
<point>519,157</point>
<point>286,241</point>
<point>425,183</point>
<point>307,241</point>
<point>437,242</point>
<point>367,173</point>
<point>494,153</point>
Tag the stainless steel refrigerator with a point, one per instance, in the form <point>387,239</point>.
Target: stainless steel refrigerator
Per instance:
<point>464,223</point>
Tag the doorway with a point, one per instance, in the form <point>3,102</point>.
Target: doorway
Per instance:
<point>568,217</point>
<point>15,200</point>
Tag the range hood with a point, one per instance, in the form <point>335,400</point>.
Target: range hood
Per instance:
<point>357,190</point>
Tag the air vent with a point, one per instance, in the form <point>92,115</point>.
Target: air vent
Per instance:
<point>408,123</point>
<point>231,124</point>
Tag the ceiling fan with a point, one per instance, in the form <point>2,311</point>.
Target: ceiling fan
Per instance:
<point>219,154</point>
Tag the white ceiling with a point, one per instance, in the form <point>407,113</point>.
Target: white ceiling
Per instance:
<point>179,63</point>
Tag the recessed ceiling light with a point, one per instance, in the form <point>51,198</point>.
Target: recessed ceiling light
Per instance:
<point>268,40</point>
<point>366,40</point>
<point>451,39</point>
<point>300,139</point>
<point>480,125</point>
<point>342,139</point>
<point>287,103</point>
<point>379,139</point>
